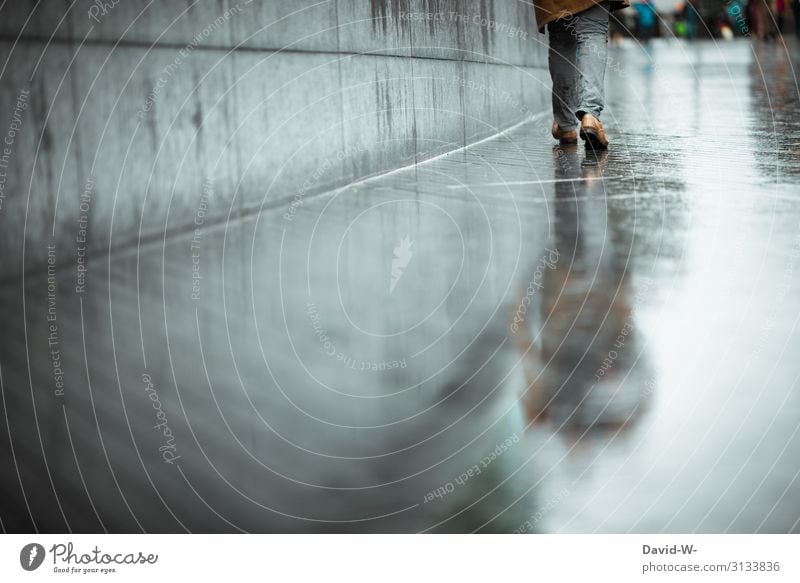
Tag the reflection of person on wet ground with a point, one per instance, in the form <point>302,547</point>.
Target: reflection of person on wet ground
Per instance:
<point>583,363</point>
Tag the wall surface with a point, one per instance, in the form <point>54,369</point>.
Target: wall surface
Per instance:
<point>131,116</point>
<point>134,131</point>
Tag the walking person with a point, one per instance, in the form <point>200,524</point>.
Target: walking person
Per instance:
<point>646,20</point>
<point>578,54</point>
<point>761,19</point>
<point>780,15</point>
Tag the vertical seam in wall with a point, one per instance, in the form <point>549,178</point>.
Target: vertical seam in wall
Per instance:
<point>461,42</point>
<point>462,97</point>
<point>73,82</point>
<point>231,122</point>
<point>236,144</point>
<point>414,134</point>
<point>343,133</point>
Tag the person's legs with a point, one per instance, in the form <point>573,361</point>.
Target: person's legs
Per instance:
<point>591,28</point>
<point>563,71</point>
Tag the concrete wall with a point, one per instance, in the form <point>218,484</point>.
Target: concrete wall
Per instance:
<point>128,122</point>
<point>143,106</point>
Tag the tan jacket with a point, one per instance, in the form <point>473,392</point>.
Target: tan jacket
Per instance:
<point>550,10</point>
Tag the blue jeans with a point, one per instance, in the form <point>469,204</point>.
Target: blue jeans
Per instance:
<point>578,55</point>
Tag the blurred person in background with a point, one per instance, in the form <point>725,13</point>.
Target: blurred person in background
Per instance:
<point>762,21</point>
<point>685,19</point>
<point>646,20</point>
<point>679,26</point>
<point>780,12</point>
<point>619,28</point>
<point>577,60</point>
<point>721,22</point>
<point>725,31</point>
<point>736,11</point>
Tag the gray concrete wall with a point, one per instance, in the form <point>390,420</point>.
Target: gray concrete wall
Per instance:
<point>134,116</point>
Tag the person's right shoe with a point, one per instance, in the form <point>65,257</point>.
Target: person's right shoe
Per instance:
<point>564,136</point>
<point>592,132</point>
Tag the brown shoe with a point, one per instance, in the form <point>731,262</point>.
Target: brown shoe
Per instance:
<point>592,132</point>
<point>564,136</point>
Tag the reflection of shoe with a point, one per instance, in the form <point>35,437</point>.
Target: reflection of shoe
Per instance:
<point>592,132</point>
<point>594,164</point>
<point>564,136</point>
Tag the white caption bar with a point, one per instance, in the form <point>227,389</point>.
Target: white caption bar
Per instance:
<point>401,558</point>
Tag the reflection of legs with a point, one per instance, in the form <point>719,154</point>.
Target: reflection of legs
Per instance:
<point>563,71</point>
<point>591,27</point>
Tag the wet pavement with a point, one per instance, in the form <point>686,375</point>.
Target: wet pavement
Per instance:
<point>515,337</point>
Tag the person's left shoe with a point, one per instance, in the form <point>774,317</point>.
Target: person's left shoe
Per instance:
<point>564,136</point>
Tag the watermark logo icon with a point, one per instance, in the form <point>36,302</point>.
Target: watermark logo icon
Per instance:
<point>31,556</point>
<point>402,257</point>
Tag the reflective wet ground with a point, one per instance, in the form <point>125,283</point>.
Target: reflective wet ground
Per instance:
<point>515,337</point>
